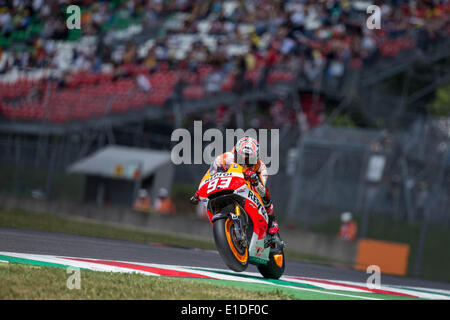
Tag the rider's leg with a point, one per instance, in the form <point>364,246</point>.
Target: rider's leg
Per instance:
<point>267,202</point>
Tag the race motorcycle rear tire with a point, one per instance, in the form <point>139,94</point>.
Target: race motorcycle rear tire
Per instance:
<point>274,268</point>
<point>234,256</point>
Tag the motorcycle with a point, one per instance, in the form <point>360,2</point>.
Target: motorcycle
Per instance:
<point>240,223</point>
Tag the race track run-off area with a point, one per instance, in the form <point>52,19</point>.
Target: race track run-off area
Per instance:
<point>297,287</point>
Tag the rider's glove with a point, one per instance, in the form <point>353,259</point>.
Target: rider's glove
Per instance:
<point>252,177</point>
<point>195,198</point>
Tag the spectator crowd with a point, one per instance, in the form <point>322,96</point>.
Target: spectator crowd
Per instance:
<point>233,34</point>
<point>220,44</point>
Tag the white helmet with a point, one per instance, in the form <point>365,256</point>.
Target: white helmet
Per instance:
<point>143,193</point>
<point>247,151</point>
<point>163,193</point>
<point>346,217</point>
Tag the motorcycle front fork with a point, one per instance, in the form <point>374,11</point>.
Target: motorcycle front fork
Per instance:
<point>238,229</point>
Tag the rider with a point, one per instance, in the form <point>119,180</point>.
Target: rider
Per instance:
<point>246,153</point>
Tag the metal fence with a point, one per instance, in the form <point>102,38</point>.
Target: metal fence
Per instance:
<point>333,176</point>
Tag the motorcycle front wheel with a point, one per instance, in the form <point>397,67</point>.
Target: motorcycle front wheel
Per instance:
<point>232,252</point>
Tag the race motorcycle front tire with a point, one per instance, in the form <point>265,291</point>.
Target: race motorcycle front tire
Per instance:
<point>234,256</point>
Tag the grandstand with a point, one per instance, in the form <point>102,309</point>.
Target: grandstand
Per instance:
<point>60,77</point>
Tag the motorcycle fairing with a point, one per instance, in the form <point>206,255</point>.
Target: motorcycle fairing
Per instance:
<point>252,205</point>
<point>258,214</point>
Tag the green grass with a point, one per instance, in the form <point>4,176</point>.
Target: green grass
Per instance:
<point>25,282</point>
<point>180,194</point>
<point>436,256</point>
<point>22,180</point>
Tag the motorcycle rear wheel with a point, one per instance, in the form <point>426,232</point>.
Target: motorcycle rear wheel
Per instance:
<point>233,254</point>
<point>274,268</point>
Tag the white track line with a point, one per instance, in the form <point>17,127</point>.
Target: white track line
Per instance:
<point>331,293</point>
<point>431,294</point>
<point>76,264</point>
<point>327,286</point>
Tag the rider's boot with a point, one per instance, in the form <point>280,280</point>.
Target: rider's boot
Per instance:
<point>273,229</point>
<point>273,225</point>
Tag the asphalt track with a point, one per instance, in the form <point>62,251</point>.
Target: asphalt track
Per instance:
<point>52,243</point>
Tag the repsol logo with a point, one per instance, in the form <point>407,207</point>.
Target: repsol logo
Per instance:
<point>220,174</point>
<point>255,199</point>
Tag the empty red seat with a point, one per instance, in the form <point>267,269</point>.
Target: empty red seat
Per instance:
<point>105,77</point>
<point>107,88</point>
<point>159,97</point>
<point>189,77</point>
<point>135,69</point>
<point>119,103</point>
<point>138,100</point>
<point>280,76</point>
<point>193,92</point>
<point>124,85</point>
<point>389,48</point>
<point>163,79</point>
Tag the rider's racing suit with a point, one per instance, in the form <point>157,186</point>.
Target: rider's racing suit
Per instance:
<point>257,175</point>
